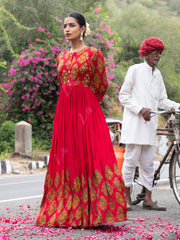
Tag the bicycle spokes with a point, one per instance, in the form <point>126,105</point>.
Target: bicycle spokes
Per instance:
<point>175,175</point>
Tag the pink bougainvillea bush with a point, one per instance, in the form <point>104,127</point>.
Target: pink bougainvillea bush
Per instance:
<point>32,87</point>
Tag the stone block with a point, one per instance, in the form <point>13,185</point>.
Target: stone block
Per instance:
<point>33,165</point>
<point>23,137</point>
<point>8,167</point>
<point>5,167</point>
<point>46,160</point>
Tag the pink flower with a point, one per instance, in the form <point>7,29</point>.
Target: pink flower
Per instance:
<point>40,29</point>
<point>39,75</point>
<point>5,85</point>
<point>178,236</point>
<point>49,34</point>
<point>37,53</point>
<point>98,35</point>
<point>40,112</point>
<point>52,88</point>
<point>12,71</point>
<point>54,74</point>
<point>96,10</point>
<point>93,43</point>
<point>58,19</point>
<point>149,237</point>
<point>23,79</point>
<point>109,43</point>
<point>31,78</point>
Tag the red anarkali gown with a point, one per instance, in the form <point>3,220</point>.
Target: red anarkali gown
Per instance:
<point>83,186</point>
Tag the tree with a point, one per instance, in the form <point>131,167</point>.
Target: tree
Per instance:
<point>32,88</point>
<point>138,21</point>
<point>30,15</point>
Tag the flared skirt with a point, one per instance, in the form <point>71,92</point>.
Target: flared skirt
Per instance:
<point>83,186</point>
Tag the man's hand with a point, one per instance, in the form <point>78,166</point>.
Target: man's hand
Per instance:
<point>145,113</point>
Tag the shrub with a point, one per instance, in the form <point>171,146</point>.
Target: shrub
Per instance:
<point>32,89</point>
<point>7,130</point>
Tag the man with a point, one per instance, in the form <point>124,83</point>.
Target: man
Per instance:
<point>142,91</point>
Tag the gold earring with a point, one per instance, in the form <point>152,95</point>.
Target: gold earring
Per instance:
<point>81,36</point>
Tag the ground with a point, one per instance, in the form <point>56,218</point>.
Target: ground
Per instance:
<point>20,163</point>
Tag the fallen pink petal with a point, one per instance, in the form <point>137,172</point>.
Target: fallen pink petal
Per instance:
<point>21,225</point>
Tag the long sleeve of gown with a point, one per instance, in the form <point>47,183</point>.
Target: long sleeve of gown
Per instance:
<point>99,77</point>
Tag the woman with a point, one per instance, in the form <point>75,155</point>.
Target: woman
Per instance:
<point>83,187</point>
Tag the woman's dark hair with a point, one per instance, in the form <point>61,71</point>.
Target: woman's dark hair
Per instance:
<point>80,19</point>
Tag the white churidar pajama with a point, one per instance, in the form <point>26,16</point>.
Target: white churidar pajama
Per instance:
<point>142,88</point>
<point>144,154</point>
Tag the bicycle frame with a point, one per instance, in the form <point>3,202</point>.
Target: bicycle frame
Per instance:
<point>171,157</point>
<point>162,162</point>
<point>174,144</point>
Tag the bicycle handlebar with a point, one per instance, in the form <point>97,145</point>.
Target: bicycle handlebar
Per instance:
<point>166,111</point>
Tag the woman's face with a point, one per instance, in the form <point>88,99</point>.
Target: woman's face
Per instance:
<point>72,29</point>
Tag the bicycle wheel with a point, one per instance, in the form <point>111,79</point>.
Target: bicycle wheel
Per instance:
<point>175,175</point>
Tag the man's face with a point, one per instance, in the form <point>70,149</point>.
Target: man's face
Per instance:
<point>152,58</point>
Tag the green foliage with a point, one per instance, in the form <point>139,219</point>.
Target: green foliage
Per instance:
<point>3,155</point>
<point>19,18</point>
<point>10,26</point>
<point>174,5</point>
<point>32,89</point>
<point>7,130</point>
<point>42,136</point>
<point>3,64</point>
<point>142,19</point>
<point>131,21</point>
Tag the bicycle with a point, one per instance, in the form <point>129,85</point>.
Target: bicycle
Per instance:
<point>114,126</point>
<point>171,157</point>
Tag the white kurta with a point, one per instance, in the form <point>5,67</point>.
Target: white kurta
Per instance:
<point>142,88</point>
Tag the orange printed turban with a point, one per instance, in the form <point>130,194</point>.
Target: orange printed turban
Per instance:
<point>149,45</point>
